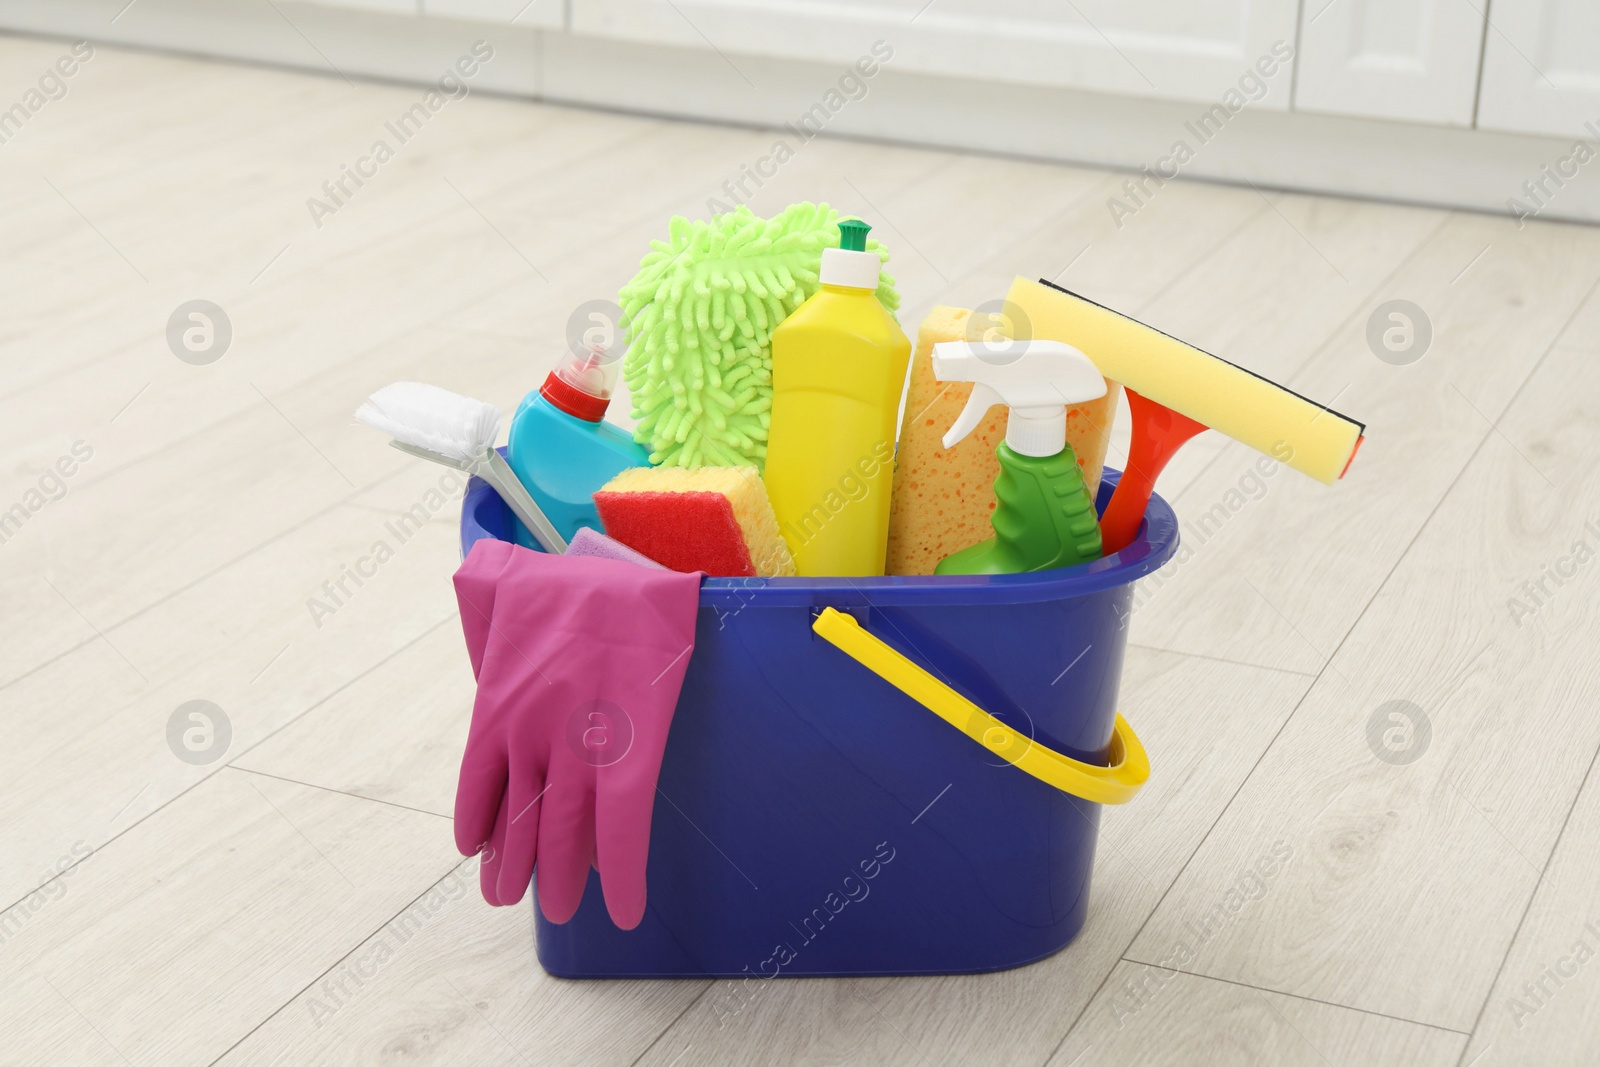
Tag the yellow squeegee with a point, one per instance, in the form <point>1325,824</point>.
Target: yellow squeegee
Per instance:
<point>1175,390</point>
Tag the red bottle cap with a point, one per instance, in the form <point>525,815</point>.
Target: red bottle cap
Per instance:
<point>572,400</point>
<point>581,384</point>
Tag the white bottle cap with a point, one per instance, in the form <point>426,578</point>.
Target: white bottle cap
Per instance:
<point>1037,432</point>
<point>858,270</point>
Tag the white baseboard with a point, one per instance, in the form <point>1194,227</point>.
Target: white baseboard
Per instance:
<point>1474,169</point>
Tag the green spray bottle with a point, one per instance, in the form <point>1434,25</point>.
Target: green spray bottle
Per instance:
<point>1044,516</point>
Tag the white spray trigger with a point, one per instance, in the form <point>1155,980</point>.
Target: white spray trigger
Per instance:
<point>978,404</point>
<point>1037,380</point>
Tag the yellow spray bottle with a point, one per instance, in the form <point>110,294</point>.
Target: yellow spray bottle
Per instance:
<point>838,366</point>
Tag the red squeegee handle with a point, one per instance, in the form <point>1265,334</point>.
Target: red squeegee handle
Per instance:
<point>1158,432</point>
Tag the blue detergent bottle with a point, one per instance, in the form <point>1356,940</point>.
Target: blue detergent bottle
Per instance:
<point>562,449</point>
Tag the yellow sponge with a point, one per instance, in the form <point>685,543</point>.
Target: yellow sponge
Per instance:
<point>712,519</point>
<point>943,497</point>
<point>1231,400</point>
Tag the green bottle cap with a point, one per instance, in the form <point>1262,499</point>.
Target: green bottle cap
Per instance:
<point>853,235</point>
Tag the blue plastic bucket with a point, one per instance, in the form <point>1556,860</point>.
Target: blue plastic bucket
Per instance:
<point>814,820</point>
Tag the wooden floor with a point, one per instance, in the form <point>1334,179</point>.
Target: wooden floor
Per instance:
<point>1435,902</point>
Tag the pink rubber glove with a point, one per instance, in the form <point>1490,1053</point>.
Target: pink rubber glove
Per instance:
<point>579,661</point>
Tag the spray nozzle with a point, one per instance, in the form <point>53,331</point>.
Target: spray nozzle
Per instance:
<point>582,382</point>
<point>853,235</point>
<point>594,370</point>
<point>1037,380</point>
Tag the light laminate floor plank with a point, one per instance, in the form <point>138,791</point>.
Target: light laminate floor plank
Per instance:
<point>1419,862</point>
<point>195,926</point>
<point>1166,1017</point>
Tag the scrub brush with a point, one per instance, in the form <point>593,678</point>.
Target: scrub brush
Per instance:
<point>457,431</point>
<point>699,318</point>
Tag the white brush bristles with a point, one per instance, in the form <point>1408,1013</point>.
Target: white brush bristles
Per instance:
<point>426,416</point>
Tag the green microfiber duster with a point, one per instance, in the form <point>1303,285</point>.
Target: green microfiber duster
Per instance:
<point>698,318</point>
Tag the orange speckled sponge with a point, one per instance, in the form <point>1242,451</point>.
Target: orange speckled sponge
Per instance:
<point>943,498</point>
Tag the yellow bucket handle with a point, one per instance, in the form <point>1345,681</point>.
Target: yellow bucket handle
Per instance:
<point>1116,784</point>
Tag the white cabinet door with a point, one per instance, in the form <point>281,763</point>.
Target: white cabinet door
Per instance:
<point>547,14</point>
<point>1541,67</point>
<point>1184,49</point>
<point>1391,59</point>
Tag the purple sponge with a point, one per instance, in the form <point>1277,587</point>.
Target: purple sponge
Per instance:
<point>587,542</point>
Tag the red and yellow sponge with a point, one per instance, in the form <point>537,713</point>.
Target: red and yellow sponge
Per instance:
<point>712,519</point>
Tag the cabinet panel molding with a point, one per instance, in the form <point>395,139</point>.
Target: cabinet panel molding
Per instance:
<point>1392,59</point>
<point>1165,49</point>
<point>1541,68</point>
